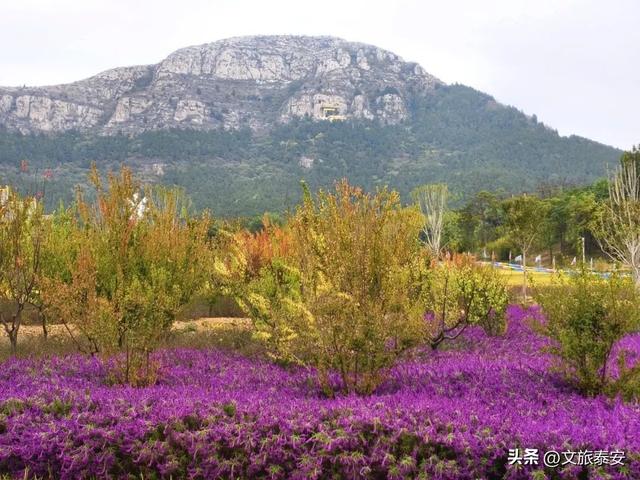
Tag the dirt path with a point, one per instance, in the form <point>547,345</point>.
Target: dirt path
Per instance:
<point>200,324</point>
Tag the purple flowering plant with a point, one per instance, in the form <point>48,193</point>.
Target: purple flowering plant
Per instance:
<point>449,414</point>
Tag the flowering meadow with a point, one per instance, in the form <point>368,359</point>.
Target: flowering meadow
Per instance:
<point>450,414</point>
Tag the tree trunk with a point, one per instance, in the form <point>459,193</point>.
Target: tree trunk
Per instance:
<point>13,333</point>
<point>43,319</point>
<point>12,329</point>
<point>635,272</point>
<point>13,338</point>
<point>524,275</point>
<point>435,343</point>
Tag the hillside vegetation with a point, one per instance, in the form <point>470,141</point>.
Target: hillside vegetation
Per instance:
<point>456,135</point>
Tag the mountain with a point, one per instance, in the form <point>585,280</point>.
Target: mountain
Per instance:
<point>240,121</point>
<point>246,81</point>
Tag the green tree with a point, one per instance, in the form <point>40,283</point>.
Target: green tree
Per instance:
<point>22,230</point>
<point>452,234</point>
<point>480,220</point>
<point>525,218</point>
<point>585,316</point>
<point>58,249</point>
<point>138,260</point>
<point>461,293</point>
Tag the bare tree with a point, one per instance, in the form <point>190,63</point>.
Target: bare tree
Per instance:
<point>432,200</point>
<point>618,231</point>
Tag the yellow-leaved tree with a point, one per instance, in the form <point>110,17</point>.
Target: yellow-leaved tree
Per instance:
<point>347,293</point>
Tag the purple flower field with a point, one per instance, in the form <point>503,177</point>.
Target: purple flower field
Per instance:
<point>448,415</point>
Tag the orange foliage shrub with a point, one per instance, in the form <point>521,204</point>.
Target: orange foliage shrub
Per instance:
<point>262,247</point>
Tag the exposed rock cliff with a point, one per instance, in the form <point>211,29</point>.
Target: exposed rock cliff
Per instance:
<point>244,81</point>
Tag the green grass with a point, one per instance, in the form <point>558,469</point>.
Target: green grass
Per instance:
<point>515,278</point>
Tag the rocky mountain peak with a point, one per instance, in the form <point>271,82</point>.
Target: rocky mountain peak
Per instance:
<point>232,83</point>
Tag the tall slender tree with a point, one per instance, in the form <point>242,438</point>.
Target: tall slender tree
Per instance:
<point>524,224</point>
<point>432,200</point>
<point>618,226</point>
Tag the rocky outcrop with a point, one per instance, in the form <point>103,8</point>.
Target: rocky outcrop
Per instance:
<point>245,81</point>
<point>42,113</point>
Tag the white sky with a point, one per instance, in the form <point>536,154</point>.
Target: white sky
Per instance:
<point>574,63</point>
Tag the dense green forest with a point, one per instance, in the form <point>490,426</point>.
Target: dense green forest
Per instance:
<point>456,135</point>
<point>565,216</point>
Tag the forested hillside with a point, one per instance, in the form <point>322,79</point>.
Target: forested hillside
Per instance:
<point>454,134</point>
